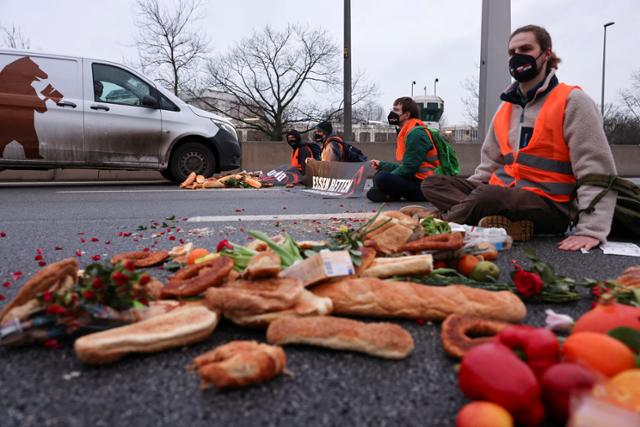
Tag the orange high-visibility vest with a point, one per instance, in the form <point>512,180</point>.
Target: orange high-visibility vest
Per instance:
<point>431,160</point>
<point>326,149</point>
<point>295,159</point>
<point>544,165</point>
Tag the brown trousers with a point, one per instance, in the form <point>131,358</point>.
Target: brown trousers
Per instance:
<point>466,202</point>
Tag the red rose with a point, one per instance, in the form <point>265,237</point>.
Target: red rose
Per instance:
<point>88,294</point>
<point>96,283</point>
<point>527,283</point>
<point>145,279</point>
<point>130,265</point>
<point>56,309</point>
<point>47,296</point>
<point>119,278</point>
<point>224,244</point>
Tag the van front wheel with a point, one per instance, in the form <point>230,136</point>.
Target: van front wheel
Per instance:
<point>192,157</point>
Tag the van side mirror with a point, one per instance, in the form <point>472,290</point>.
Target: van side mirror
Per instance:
<point>150,102</point>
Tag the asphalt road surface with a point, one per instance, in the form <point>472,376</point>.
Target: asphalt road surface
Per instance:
<point>52,388</point>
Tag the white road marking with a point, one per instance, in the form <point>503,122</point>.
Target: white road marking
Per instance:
<point>292,217</point>
<point>78,183</point>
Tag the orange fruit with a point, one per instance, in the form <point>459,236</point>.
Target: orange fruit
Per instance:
<point>599,352</point>
<point>466,264</point>
<point>622,390</point>
<point>483,414</point>
<point>195,254</point>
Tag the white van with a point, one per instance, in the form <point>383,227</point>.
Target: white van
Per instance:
<point>67,112</point>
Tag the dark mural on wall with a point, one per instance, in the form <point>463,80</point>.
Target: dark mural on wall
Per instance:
<point>19,102</point>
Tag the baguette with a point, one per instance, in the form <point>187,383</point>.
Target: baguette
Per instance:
<point>252,182</point>
<point>400,266</point>
<point>370,297</point>
<point>177,328</point>
<point>189,181</point>
<point>384,340</point>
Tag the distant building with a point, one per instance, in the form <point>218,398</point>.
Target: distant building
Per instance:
<point>460,133</point>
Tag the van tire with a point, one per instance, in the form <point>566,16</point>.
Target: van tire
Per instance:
<point>191,157</point>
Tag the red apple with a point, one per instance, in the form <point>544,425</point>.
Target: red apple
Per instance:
<point>558,382</point>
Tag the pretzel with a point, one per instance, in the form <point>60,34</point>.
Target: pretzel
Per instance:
<point>195,279</point>
<point>437,242</point>
<point>46,279</point>
<point>141,259</point>
<point>457,333</point>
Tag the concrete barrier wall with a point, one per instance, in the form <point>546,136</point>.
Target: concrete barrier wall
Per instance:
<point>266,155</point>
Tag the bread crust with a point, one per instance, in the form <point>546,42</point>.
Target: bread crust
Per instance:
<point>41,281</point>
<point>371,297</point>
<point>456,330</point>
<point>385,340</point>
<point>196,279</point>
<point>141,259</point>
<point>239,364</point>
<point>179,327</point>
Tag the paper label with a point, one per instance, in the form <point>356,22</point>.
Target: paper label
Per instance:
<point>621,248</point>
<point>337,263</point>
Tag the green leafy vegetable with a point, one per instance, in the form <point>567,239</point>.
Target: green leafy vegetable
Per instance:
<point>431,225</point>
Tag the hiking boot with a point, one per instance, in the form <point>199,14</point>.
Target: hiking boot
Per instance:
<point>420,211</point>
<point>378,196</point>
<point>520,231</point>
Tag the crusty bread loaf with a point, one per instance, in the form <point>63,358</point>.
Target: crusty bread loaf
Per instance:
<point>263,264</point>
<point>306,304</point>
<point>44,280</point>
<point>377,339</point>
<point>251,297</point>
<point>370,297</point>
<point>239,364</point>
<point>399,266</point>
<point>179,327</point>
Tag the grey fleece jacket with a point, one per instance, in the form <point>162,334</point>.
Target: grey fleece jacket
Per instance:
<point>588,149</point>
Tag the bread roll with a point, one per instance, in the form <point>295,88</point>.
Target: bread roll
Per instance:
<point>179,327</point>
<point>459,334</point>
<point>306,304</point>
<point>239,364</point>
<point>48,278</point>
<point>369,297</point>
<point>384,340</point>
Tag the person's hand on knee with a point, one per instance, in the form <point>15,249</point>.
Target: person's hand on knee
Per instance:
<point>375,164</point>
<point>574,243</point>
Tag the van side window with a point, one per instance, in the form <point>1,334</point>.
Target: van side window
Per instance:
<point>114,85</point>
<point>167,104</point>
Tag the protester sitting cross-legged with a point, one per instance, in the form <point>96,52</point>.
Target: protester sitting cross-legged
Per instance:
<point>301,151</point>
<point>544,137</point>
<point>332,145</point>
<point>415,151</point>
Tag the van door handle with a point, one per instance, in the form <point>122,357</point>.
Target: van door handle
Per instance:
<point>66,104</point>
<point>99,107</point>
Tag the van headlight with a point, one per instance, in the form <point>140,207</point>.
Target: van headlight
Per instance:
<point>227,127</point>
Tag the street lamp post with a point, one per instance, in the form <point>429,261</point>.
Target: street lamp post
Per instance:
<point>347,70</point>
<point>604,55</point>
<point>413,83</point>
<point>435,82</point>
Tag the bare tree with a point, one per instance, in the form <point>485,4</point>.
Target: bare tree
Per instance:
<point>470,101</point>
<point>169,46</point>
<point>14,39</point>
<point>631,96</point>
<point>275,79</point>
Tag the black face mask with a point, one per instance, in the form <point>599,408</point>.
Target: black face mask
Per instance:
<point>393,118</point>
<point>293,143</point>
<point>318,137</point>
<point>523,67</point>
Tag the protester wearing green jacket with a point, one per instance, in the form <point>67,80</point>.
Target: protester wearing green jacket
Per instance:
<point>415,152</point>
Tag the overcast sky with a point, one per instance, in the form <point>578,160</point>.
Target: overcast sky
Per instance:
<point>393,43</point>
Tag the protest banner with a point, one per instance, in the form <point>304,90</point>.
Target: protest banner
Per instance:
<point>336,179</point>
